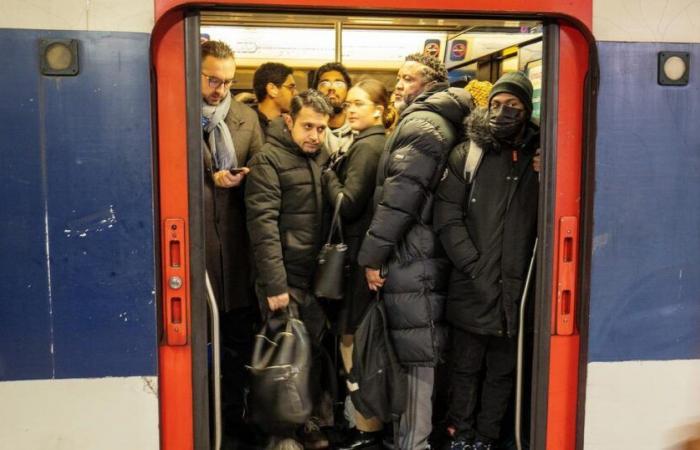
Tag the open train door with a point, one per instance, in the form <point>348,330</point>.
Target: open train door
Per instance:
<point>567,93</point>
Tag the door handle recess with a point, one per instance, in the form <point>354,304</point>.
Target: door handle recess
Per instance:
<point>176,306</point>
<point>567,262</point>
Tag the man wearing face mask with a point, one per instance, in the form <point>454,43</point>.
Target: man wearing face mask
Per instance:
<point>486,217</point>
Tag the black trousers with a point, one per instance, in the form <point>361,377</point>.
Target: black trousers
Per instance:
<point>481,383</point>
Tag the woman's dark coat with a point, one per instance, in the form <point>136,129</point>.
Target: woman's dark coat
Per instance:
<point>355,174</point>
<point>488,229</point>
<point>400,239</point>
<point>227,248</point>
<point>284,201</point>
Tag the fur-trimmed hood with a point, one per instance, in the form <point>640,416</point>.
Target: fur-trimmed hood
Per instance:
<point>476,128</point>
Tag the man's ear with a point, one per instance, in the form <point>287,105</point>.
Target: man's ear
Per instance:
<point>288,121</point>
<point>272,90</point>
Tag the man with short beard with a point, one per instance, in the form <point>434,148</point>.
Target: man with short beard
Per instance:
<point>285,220</point>
<point>486,217</point>
<point>231,135</point>
<point>333,81</point>
<point>400,252</point>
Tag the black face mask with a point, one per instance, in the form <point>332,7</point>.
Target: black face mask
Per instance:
<point>506,122</point>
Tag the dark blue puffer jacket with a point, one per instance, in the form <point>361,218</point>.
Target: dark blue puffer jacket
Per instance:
<point>400,239</point>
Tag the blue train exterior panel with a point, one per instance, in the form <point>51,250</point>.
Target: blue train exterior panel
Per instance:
<point>77,184</point>
<point>645,275</point>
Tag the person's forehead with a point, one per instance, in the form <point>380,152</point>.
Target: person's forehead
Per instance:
<point>213,63</point>
<point>332,75</point>
<point>289,79</point>
<point>357,92</point>
<point>504,97</point>
<point>308,115</point>
<point>412,68</point>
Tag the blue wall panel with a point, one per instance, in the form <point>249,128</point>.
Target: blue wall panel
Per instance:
<point>100,206</point>
<point>645,279</point>
<point>25,325</point>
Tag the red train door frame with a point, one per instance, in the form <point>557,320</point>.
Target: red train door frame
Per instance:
<point>182,354</point>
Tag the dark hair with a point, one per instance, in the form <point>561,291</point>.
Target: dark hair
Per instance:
<point>434,68</point>
<point>310,98</point>
<point>217,49</point>
<point>270,72</point>
<point>378,94</point>
<point>329,67</point>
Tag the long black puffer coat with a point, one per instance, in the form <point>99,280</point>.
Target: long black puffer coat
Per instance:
<point>284,202</point>
<point>488,229</point>
<point>400,238</point>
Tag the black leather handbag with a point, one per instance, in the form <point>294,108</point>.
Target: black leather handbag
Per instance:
<point>280,393</point>
<point>332,260</point>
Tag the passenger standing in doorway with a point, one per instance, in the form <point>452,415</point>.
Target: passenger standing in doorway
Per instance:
<point>400,252</point>
<point>285,219</point>
<point>353,173</point>
<point>274,88</point>
<point>231,136</point>
<point>486,217</point>
<point>333,81</point>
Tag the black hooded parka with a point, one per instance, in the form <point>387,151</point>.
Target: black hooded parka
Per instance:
<point>400,239</point>
<point>488,228</point>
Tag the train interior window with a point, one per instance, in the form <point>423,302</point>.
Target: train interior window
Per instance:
<point>375,47</point>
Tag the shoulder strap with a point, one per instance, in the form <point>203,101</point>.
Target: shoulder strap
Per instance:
<point>472,161</point>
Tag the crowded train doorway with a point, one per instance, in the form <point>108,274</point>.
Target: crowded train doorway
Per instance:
<point>472,49</point>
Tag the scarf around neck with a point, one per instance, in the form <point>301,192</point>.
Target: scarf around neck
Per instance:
<point>220,140</point>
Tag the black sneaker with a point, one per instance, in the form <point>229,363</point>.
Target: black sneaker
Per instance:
<point>361,440</point>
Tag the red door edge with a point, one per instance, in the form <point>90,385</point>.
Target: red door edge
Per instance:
<point>565,341</point>
<point>175,351</point>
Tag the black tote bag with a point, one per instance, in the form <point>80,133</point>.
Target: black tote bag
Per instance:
<point>332,260</point>
<point>280,393</point>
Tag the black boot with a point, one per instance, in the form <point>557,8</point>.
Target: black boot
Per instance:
<point>370,440</point>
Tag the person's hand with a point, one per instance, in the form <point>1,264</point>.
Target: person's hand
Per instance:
<point>537,161</point>
<point>224,178</point>
<point>278,301</point>
<point>374,280</point>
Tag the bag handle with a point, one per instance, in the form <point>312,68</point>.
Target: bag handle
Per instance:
<point>336,223</point>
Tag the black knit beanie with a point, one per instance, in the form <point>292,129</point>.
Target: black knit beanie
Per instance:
<point>515,83</point>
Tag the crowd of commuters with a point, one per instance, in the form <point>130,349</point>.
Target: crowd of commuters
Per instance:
<point>446,241</point>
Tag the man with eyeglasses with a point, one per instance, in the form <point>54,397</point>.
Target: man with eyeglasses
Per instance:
<point>231,135</point>
<point>274,88</point>
<point>400,252</point>
<point>333,81</point>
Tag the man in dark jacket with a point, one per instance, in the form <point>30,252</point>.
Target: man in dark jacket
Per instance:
<point>486,217</point>
<point>284,200</point>
<point>231,136</point>
<point>400,251</point>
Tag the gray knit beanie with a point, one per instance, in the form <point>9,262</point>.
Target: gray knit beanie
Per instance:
<point>515,83</point>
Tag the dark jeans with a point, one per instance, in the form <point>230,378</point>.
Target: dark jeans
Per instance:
<point>472,354</point>
<point>237,330</point>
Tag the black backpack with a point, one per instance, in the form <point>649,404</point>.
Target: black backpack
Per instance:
<point>377,382</point>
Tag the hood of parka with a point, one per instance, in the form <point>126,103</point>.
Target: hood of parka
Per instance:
<point>451,103</point>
